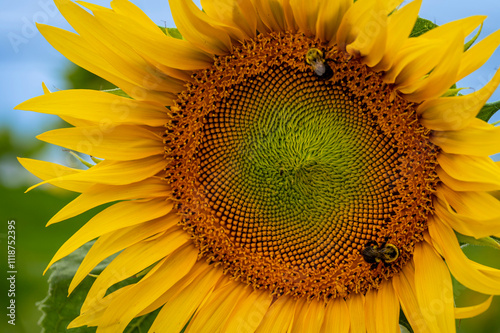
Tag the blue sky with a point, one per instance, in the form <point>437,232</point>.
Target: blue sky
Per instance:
<point>27,60</point>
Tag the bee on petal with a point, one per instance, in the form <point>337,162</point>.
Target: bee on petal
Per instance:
<point>316,59</point>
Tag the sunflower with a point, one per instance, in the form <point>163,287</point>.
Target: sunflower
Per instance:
<point>284,166</point>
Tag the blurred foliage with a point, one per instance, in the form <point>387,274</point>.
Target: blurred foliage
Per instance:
<point>7,144</point>
<point>35,246</point>
<point>80,78</point>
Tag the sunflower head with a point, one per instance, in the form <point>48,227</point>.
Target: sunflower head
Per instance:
<point>286,164</point>
<point>284,177</point>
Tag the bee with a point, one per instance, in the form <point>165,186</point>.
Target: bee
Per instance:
<point>374,254</point>
<point>316,59</point>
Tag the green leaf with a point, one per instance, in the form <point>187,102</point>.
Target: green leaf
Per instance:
<point>486,241</point>
<point>403,323</point>
<point>171,32</point>
<point>473,40</point>
<point>59,309</point>
<point>488,110</point>
<point>81,160</point>
<point>118,92</point>
<point>422,26</point>
<point>404,329</point>
<point>141,324</point>
<point>453,91</point>
<point>96,160</point>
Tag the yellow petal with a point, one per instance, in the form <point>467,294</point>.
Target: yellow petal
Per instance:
<point>356,305</point>
<point>319,19</point>
<point>248,312</point>
<point>154,45</point>
<point>199,268</point>
<point>94,315</point>
<point>476,169</point>
<point>116,51</point>
<point>472,311</point>
<point>455,113</point>
<point>315,316</point>
<point>329,17</point>
<point>478,139</point>
<point>271,15</point>
<point>124,7</point>
<point>382,310</point>
<point>442,77</point>
<point>115,241</point>
<point>291,24</point>
<point>178,310</point>
<point>400,24</point>
<point>336,313</point>
<point>77,122</point>
<point>97,106</point>
<point>127,9</point>
<point>413,61</point>
<point>310,317</point>
<point>117,216</point>
<point>477,55</point>
<point>279,317</point>
<point>474,276</point>
<point>48,171</point>
<point>470,226</point>
<point>116,172</point>
<point>346,32</point>
<point>194,25</point>
<point>240,15</point>
<point>45,89</point>
<point>372,52</point>
<point>370,311</point>
<point>306,14</point>
<point>124,308</point>
<point>99,194</point>
<point>404,285</point>
<point>120,143</point>
<point>467,25</point>
<point>79,52</point>
<point>477,205</point>
<point>213,314</point>
<point>433,289</point>
<point>363,31</point>
<point>458,185</point>
<point>422,54</point>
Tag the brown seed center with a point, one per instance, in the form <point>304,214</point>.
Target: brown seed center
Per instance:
<point>284,178</point>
